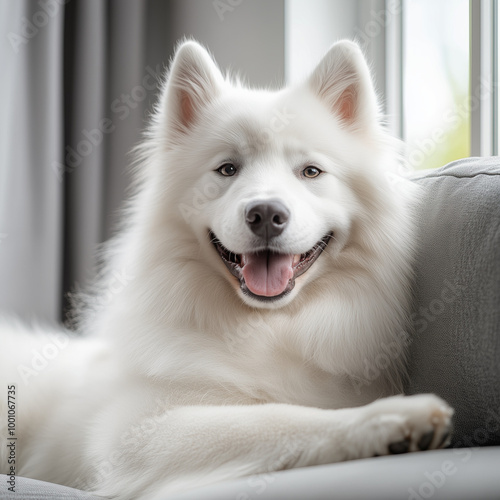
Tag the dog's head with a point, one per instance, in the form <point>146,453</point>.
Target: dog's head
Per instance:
<point>269,182</point>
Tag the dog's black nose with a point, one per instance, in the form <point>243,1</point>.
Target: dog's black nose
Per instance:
<point>267,218</point>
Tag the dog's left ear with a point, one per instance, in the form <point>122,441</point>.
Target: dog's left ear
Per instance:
<point>342,80</point>
<point>194,81</point>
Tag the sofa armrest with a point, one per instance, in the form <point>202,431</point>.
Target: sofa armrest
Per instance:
<point>455,350</point>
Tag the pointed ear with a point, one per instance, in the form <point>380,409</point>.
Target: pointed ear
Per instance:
<point>194,81</point>
<point>342,81</point>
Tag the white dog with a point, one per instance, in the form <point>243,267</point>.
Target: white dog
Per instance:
<point>256,298</point>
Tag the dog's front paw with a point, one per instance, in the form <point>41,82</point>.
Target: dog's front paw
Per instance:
<point>400,424</point>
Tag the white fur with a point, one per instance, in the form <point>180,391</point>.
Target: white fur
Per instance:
<point>180,380</point>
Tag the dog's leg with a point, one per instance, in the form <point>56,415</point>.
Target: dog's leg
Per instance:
<point>195,446</point>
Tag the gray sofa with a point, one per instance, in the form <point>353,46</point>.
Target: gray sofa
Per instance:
<point>455,353</point>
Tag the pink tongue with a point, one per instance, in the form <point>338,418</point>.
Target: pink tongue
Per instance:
<point>267,274</point>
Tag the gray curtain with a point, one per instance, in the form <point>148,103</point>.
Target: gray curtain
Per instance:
<point>74,103</point>
<point>31,137</point>
<point>77,80</point>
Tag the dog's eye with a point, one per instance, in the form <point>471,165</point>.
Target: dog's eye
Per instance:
<point>311,172</point>
<point>228,169</point>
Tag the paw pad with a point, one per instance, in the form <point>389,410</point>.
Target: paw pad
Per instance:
<point>400,447</point>
<point>425,441</point>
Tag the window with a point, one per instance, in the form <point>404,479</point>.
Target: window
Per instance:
<point>435,65</point>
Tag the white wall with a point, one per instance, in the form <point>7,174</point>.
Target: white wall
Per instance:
<point>244,35</point>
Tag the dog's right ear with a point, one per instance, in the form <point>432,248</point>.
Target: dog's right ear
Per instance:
<point>193,82</point>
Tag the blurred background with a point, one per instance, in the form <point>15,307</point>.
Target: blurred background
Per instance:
<point>79,78</point>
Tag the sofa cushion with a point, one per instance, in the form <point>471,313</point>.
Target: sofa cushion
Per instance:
<point>461,474</point>
<point>455,350</point>
<point>32,489</point>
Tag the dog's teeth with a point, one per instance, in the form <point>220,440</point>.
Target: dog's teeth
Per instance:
<point>296,260</point>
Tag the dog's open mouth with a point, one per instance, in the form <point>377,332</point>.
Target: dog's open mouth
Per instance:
<point>267,275</point>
